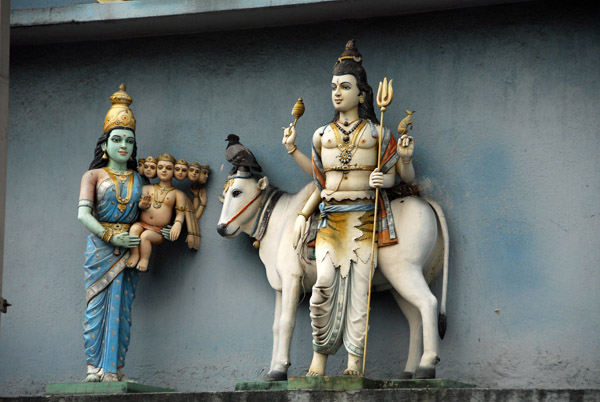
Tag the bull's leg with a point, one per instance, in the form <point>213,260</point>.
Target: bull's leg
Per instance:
<point>415,325</point>
<point>408,281</point>
<point>290,296</point>
<point>276,316</point>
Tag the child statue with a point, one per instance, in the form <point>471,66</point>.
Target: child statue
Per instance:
<point>199,174</point>
<point>140,166</point>
<point>150,167</point>
<point>344,164</point>
<point>181,169</point>
<point>108,205</point>
<point>157,204</point>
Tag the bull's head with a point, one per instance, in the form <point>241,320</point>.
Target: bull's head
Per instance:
<point>242,198</point>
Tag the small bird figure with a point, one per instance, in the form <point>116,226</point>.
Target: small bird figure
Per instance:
<point>239,155</point>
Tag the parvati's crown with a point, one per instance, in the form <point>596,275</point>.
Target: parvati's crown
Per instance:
<point>119,114</point>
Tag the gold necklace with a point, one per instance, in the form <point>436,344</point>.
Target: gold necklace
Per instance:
<point>164,191</point>
<point>118,180</point>
<point>122,176</point>
<point>346,148</point>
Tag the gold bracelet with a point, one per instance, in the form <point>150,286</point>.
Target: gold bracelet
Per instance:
<point>293,150</point>
<point>177,220</point>
<point>106,236</point>
<point>302,214</point>
<point>408,161</point>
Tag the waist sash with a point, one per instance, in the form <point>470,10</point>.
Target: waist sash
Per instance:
<point>332,209</point>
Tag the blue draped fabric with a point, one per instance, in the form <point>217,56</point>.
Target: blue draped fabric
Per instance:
<point>110,286</point>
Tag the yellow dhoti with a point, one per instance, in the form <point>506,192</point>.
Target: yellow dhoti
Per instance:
<point>338,305</point>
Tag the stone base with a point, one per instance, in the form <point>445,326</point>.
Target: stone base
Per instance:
<point>345,383</point>
<point>120,387</point>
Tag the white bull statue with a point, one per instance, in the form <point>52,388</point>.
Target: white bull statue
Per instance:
<point>252,206</point>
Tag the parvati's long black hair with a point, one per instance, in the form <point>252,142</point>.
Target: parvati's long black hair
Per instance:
<point>98,162</point>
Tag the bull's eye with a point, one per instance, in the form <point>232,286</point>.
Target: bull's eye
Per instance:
<point>236,193</point>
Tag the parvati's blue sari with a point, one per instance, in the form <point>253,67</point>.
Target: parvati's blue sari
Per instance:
<point>110,286</point>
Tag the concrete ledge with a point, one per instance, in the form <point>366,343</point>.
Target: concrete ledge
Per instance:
<point>130,19</point>
<point>403,395</point>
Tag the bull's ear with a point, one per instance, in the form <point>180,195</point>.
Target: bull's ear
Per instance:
<point>263,183</point>
<point>222,199</point>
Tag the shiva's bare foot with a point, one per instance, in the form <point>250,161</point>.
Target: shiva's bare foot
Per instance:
<point>317,366</point>
<point>354,363</point>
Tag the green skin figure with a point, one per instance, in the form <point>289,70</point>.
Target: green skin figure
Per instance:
<point>119,148</point>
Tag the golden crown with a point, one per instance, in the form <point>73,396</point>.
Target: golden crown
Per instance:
<point>151,159</point>
<point>167,157</point>
<point>119,114</point>
<point>182,162</point>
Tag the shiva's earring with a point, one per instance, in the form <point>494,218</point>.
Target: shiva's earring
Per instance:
<point>104,155</point>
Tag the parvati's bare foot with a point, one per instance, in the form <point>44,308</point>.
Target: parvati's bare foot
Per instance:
<point>110,377</point>
<point>92,378</point>
<point>350,372</point>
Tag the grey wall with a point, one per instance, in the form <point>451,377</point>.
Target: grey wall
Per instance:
<point>507,141</point>
<point>4,65</point>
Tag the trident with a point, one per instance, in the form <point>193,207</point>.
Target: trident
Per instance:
<point>385,95</point>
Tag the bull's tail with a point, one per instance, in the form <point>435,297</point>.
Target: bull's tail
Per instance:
<point>442,220</point>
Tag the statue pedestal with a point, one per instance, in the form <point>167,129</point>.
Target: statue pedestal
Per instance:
<point>120,387</point>
<point>346,383</point>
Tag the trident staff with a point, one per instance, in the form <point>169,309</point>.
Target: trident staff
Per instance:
<point>385,95</point>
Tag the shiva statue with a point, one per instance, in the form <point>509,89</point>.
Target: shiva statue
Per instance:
<point>108,205</point>
<point>344,166</point>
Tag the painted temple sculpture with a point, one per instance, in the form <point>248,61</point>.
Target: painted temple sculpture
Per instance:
<point>337,214</point>
<point>111,197</point>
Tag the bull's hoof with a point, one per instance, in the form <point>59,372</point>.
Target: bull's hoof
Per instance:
<point>406,375</point>
<point>425,373</point>
<point>276,375</point>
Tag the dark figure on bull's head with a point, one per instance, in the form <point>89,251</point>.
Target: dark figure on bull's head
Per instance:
<point>344,164</point>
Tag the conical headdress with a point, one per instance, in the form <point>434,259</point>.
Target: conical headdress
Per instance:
<point>119,114</point>
<point>350,53</point>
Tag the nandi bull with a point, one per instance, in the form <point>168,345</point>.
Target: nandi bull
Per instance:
<point>252,206</point>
